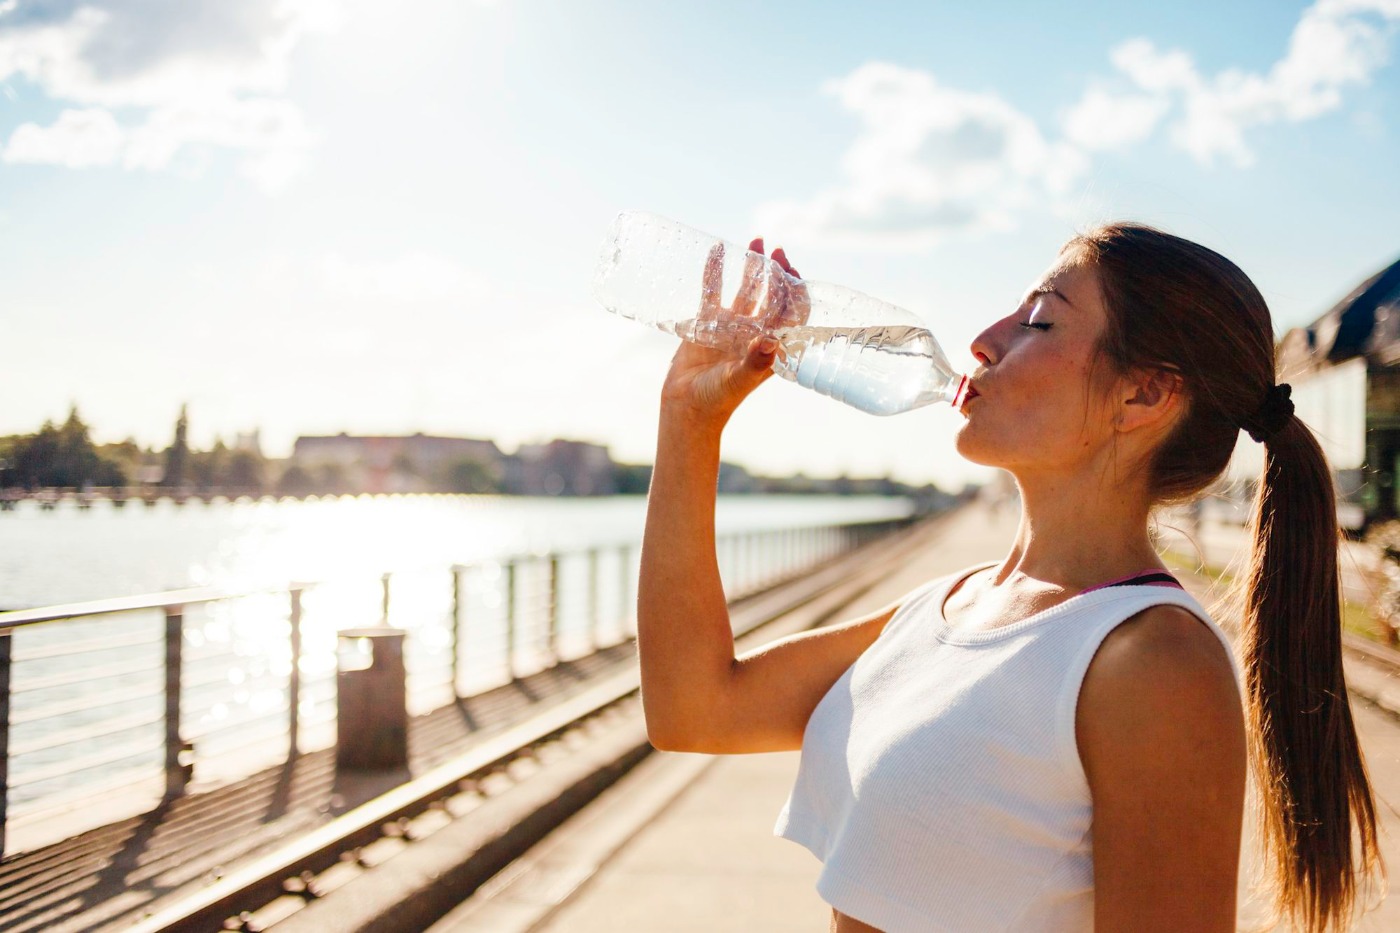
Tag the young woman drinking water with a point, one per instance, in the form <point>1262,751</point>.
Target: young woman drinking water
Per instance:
<point>1058,741</point>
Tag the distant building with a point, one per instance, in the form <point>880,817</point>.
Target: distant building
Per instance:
<point>561,468</point>
<point>249,441</point>
<point>1345,373</point>
<point>391,463</point>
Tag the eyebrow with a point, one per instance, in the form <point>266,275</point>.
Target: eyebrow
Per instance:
<point>1051,290</point>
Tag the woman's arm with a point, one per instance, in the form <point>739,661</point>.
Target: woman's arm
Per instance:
<point>1161,735</point>
<point>696,694</point>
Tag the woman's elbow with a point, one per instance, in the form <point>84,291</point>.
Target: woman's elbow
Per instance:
<point>667,735</point>
<point>663,741</point>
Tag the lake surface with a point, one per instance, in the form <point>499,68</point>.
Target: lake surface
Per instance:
<point>71,554</point>
<point>87,693</point>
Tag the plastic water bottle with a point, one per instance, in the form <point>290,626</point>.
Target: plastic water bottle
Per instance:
<point>837,341</point>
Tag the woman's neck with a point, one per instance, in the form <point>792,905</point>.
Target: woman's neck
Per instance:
<point>1077,535</point>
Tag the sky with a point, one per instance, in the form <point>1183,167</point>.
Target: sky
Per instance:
<point>313,216</point>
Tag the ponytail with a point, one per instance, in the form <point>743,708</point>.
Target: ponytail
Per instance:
<point>1178,306</point>
<point>1315,797</point>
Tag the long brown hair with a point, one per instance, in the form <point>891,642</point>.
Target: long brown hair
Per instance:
<point>1174,305</point>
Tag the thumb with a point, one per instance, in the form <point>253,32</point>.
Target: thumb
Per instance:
<point>761,353</point>
<point>757,364</point>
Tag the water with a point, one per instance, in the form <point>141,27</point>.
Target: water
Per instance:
<point>71,554</point>
<point>237,657</point>
<point>880,370</point>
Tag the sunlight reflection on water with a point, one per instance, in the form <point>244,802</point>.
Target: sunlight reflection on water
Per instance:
<point>72,554</point>
<point>237,656</point>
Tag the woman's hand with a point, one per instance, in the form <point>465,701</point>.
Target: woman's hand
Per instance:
<point>706,385</point>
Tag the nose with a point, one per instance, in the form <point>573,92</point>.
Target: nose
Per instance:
<point>984,346</point>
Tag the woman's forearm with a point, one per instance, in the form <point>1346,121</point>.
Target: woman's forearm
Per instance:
<point>683,630</point>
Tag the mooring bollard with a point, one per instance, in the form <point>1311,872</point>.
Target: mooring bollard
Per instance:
<point>371,700</point>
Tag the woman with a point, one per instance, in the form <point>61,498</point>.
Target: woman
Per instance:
<point>1057,741</point>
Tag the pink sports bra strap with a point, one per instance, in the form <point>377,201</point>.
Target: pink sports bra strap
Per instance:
<point>1141,578</point>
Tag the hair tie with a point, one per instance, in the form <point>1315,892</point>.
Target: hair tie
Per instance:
<point>1272,415</point>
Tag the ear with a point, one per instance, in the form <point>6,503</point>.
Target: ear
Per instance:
<point>1148,398</point>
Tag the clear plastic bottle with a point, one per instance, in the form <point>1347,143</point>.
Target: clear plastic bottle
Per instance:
<point>837,341</point>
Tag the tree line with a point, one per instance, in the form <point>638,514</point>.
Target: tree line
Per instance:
<point>64,456</point>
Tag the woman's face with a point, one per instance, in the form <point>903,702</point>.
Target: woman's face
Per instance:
<point>1033,406</point>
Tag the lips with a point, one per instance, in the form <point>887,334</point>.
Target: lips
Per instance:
<point>968,396</point>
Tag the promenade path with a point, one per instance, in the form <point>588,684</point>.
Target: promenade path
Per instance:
<point>685,842</point>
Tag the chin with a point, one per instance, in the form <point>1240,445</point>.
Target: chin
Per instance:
<point>975,449</point>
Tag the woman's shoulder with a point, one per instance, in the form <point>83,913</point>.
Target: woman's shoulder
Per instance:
<point>1163,675</point>
<point>1166,641</point>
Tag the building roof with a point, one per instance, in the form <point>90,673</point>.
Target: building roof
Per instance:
<point>1350,328</point>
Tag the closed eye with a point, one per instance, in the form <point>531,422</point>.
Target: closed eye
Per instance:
<point>1038,325</point>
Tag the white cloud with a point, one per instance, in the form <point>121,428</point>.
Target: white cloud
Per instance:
<point>77,139</point>
<point>1154,71</point>
<point>183,74</point>
<point>931,161</point>
<point>1104,120</point>
<point>1336,44</point>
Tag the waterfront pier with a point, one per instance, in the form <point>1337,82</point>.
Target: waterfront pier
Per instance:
<point>538,805</point>
<point>524,664</point>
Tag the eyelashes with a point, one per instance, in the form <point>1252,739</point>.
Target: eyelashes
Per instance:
<point>1037,325</point>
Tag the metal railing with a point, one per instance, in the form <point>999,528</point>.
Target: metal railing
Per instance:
<point>136,695</point>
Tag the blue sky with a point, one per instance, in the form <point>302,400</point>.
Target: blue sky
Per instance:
<point>309,216</point>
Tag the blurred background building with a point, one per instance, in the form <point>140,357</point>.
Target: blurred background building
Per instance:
<point>1345,372</point>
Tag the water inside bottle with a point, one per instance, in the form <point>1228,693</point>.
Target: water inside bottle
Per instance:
<point>732,335</point>
<point>880,370</point>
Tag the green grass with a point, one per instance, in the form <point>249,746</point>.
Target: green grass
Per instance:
<point>1188,563</point>
<point>1359,620</point>
<point>1356,617</point>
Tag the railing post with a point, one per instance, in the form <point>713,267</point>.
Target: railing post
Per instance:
<point>624,558</point>
<point>754,546</point>
<point>593,600</point>
<point>177,769</point>
<point>5,656</point>
<point>553,635</point>
<point>510,618</point>
<point>294,680</point>
<point>456,634</point>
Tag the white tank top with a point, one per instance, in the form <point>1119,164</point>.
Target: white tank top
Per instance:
<point>940,781</point>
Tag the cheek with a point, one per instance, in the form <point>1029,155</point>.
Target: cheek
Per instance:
<point>1041,411</point>
<point>1054,390</point>
<point>1069,380</point>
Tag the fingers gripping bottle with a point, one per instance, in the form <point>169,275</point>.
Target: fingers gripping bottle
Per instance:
<point>844,344</point>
